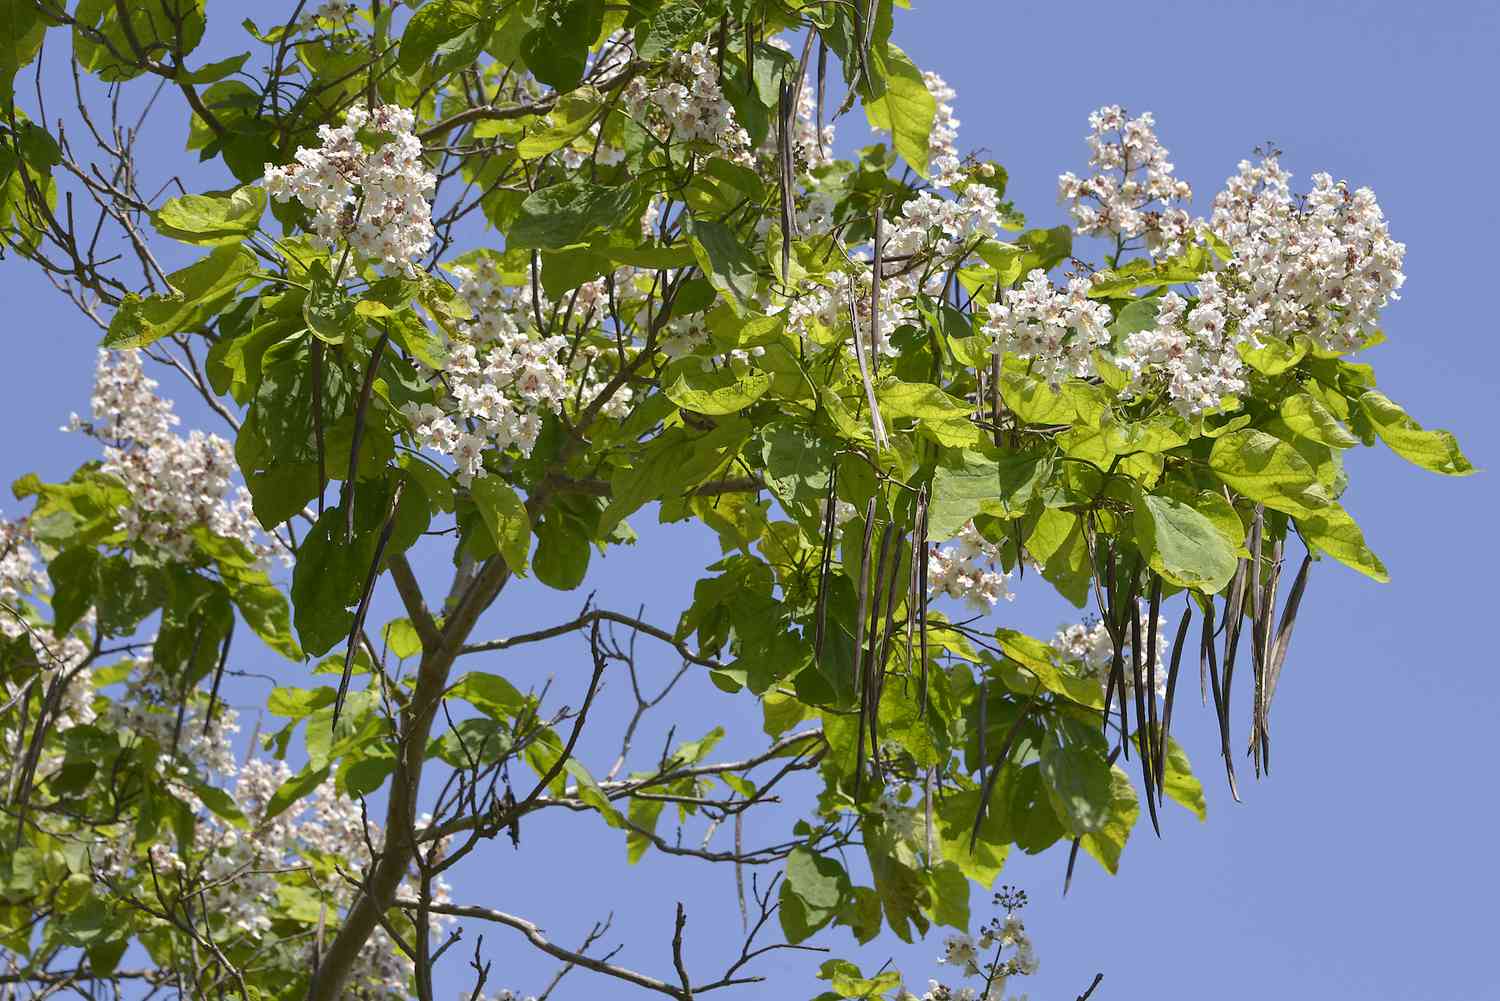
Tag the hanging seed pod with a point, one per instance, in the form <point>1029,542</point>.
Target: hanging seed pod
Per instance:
<point>1166,717</point>
<point>825,560</point>
<point>213,692</point>
<point>875,277</point>
<point>987,781</point>
<point>861,612</point>
<point>364,602</point>
<point>1141,698</point>
<point>1206,653</point>
<point>877,426</point>
<point>1234,619</point>
<point>317,419</point>
<point>361,413</point>
<point>924,549</point>
<point>1284,631</point>
<point>822,88</point>
<point>874,663</point>
<point>1150,748</point>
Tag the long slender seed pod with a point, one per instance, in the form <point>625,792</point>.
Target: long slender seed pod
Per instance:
<point>825,561</point>
<point>364,602</point>
<point>984,724</point>
<point>1141,698</point>
<point>1166,717</point>
<point>927,776</point>
<point>1234,613</point>
<point>860,613</point>
<point>1284,631</point>
<point>877,425</point>
<point>1150,744</point>
<point>987,781</point>
<point>317,419</point>
<point>874,666</point>
<point>875,276</point>
<point>924,548</point>
<point>822,87</point>
<point>1206,651</point>
<point>346,495</point>
<point>213,692</point>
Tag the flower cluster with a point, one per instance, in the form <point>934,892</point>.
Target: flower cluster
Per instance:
<point>1322,265</point>
<point>1055,330</point>
<point>175,483</point>
<point>968,570</point>
<point>498,383</point>
<point>981,956</point>
<point>689,105</point>
<point>1189,349</point>
<point>943,162</point>
<point>237,866</point>
<point>374,200</point>
<point>1132,190</point>
<point>1089,647</point>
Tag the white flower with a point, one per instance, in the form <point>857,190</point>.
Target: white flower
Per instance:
<point>968,571</point>
<point>376,201</point>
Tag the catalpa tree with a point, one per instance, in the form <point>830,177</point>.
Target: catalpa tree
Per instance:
<point>492,277</point>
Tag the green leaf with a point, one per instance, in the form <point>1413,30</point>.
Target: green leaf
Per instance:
<point>293,790</point>
<point>505,516</point>
<point>907,110</point>
<point>198,292</point>
<point>1106,844</point>
<point>569,119</point>
<point>1437,451</point>
<point>567,212</point>
<point>557,50</point>
<point>328,309</point>
<point>562,553</point>
<point>818,883</point>
<point>1266,469</point>
<point>436,24</point>
<point>1179,782</point>
<point>1333,531</point>
<point>326,580</point>
<point>263,606</point>
<point>730,267</point>
<point>953,823</point>
<point>491,695</point>
<point>401,639</point>
<point>1185,547</point>
<point>1273,357</point>
<point>299,703</point>
<point>1078,784</point>
<point>1311,419</point>
<point>214,218</point>
<point>971,483</point>
<point>712,391</point>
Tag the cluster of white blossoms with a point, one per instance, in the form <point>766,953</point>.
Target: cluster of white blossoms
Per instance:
<point>943,162</point>
<point>373,200</point>
<point>1089,647</point>
<point>175,483</point>
<point>1056,330</point>
<point>497,384</point>
<point>980,957</point>
<point>505,995</point>
<point>239,867</point>
<point>689,105</point>
<point>21,578</point>
<point>1323,265</point>
<point>1190,350</point>
<point>969,570</point>
<point>1132,190</point>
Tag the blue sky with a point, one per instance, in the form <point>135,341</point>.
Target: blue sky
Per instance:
<point>1361,869</point>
